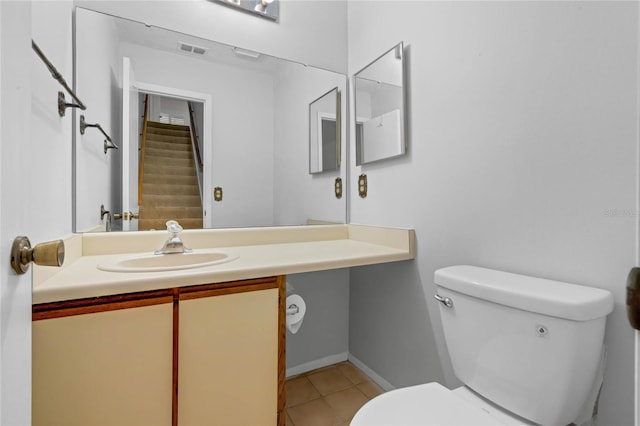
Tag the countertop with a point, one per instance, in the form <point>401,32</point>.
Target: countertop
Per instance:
<point>260,252</point>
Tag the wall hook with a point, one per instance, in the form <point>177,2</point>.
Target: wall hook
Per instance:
<point>63,104</point>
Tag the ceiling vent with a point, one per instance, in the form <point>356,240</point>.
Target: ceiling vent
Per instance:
<point>186,47</point>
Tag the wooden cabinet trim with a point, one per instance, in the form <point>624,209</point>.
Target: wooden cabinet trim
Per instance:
<point>176,342</point>
<point>92,305</point>
<point>212,292</point>
<point>282,345</point>
<point>59,310</point>
<point>219,289</point>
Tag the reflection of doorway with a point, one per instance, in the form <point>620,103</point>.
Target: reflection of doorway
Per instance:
<point>329,142</point>
<point>203,106</point>
<point>169,184</point>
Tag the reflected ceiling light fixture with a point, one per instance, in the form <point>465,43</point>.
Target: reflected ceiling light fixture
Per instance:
<point>246,53</point>
<point>262,5</point>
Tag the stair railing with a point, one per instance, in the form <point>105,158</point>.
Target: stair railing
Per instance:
<point>143,141</point>
<point>194,137</point>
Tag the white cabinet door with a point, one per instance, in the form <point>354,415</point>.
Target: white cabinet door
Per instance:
<point>106,368</point>
<point>228,362</point>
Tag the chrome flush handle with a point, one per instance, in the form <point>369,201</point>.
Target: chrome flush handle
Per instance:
<point>446,301</point>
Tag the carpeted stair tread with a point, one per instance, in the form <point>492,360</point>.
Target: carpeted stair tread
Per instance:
<point>159,125</point>
<point>177,131</point>
<point>180,140</point>
<point>170,179</point>
<point>167,153</point>
<point>171,200</point>
<point>167,162</point>
<point>171,212</point>
<point>169,189</point>
<point>168,170</point>
<point>162,133</point>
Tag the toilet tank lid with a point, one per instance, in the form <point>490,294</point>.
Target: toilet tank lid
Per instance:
<point>548,297</point>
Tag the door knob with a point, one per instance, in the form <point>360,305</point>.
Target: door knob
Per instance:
<point>633,297</point>
<point>126,216</point>
<point>46,254</point>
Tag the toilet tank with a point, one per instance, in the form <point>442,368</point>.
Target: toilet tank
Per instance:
<point>530,345</point>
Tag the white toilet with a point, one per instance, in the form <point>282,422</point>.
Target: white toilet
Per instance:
<point>527,349</point>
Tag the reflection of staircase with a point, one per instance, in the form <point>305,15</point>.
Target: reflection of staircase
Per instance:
<point>169,182</point>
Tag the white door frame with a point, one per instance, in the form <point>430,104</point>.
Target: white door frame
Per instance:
<point>207,100</point>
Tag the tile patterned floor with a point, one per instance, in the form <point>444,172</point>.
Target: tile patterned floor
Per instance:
<point>329,396</point>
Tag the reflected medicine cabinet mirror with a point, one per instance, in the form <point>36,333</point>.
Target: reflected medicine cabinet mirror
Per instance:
<point>324,132</point>
<point>380,108</point>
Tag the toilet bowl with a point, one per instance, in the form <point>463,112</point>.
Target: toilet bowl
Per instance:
<point>527,350</point>
<point>432,404</point>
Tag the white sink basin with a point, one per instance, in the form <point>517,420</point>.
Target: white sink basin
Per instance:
<point>166,262</point>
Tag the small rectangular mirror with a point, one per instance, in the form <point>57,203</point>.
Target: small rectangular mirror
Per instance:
<point>380,108</point>
<point>324,132</point>
<point>266,8</point>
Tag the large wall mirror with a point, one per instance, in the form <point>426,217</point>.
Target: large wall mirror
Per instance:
<point>380,108</point>
<point>225,132</point>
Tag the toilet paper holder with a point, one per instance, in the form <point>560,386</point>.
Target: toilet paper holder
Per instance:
<point>293,309</point>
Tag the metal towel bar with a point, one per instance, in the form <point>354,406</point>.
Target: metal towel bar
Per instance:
<point>62,104</point>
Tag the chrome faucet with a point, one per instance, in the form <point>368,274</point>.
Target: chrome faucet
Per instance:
<point>174,244</point>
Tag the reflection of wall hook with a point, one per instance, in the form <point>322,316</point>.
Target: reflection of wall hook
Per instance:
<point>381,122</point>
<point>107,146</point>
<point>63,105</point>
<point>108,143</point>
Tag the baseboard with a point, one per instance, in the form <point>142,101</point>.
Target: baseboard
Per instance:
<point>372,374</point>
<point>317,363</point>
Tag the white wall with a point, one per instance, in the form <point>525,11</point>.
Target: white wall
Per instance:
<point>523,131</point>
<point>51,134</point>
<point>311,32</point>
<point>98,85</point>
<point>170,106</point>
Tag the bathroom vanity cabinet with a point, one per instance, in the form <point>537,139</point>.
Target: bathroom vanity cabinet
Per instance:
<point>206,354</point>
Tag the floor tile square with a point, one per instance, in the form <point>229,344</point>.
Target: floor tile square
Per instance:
<point>299,390</point>
<point>329,380</point>
<point>352,373</point>
<point>313,413</point>
<point>346,402</point>
<point>370,389</point>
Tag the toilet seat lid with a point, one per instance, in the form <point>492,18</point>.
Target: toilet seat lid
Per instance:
<point>430,404</point>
